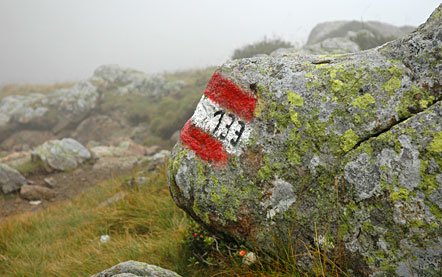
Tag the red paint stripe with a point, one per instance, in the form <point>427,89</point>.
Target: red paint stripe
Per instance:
<point>204,146</point>
<point>229,96</point>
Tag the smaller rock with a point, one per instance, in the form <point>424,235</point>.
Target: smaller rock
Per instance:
<point>50,182</point>
<point>35,203</point>
<point>149,151</point>
<point>151,163</point>
<point>16,159</point>
<point>117,197</point>
<point>249,258</point>
<point>10,179</point>
<point>104,238</point>
<point>36,193</point>
<point>136,183</point>
<point>139,269</point>
<point>65,154</point>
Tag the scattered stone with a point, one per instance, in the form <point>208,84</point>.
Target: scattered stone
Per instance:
<point>149,151</point>
<point>104,238</point>
<point>115,163</point>
<point>36,192</point>
<point>50,182</point>
<point>138,269</point>
<point>16,159</point>
<point>35,203</point>
<point>137,182</point>
<point>10,179</point>
<point>152,163</point>
<point>117,197</point>
<point>290,149</point>
<point>249,258</point>
<point>65,154</point>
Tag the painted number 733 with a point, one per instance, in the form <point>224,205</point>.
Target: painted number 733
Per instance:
<point>224,126</point>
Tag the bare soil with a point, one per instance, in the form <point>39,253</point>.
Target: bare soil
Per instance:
<point>65,184</point>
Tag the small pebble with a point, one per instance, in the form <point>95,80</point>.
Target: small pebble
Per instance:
<point>104,238</point>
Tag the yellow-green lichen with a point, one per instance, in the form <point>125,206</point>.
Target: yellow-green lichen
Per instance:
<point>436,143</point>
<point>201,178</point>
<point>337,85</point>
<point>260,106</point>
<point>294,118</point>
<point>348,140</point>
<point>402,193</point>
<point>394,82</point>
<point>294,99</point>
<point>363,101</point>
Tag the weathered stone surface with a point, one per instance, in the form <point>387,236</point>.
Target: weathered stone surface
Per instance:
<point>62,154</point>
<point>331,46</point>
<point>340,37</point>
<point>139,269</point>
<point>127,80</point>
<point>57,111</point>
<point>357,31</point>
<point>10,179</point>
<point>36,192</point>
<point>345,150</point>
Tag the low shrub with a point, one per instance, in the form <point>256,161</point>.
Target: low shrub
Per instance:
<point>265,46</point>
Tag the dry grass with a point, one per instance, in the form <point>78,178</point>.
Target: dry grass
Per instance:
<point>7,90</point>
<point>65,239</point>
<point>145,226</point>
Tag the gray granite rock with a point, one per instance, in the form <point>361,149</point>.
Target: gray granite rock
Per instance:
<point>65,154</point>
<point>139,269</point>
<point>10,179</point>
<point>344,151</point>
<point>36,192</point>
<point>127,80</point>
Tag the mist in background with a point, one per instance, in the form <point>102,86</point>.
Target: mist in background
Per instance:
<point>49,41</point>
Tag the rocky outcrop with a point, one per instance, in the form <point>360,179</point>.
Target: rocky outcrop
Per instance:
<point>138,269</point>
<point>62,109</point>
<point>126,80</point>
<point>340,37</point>
<point>341,153</point>
<point>10,179</point>
<point>65,154</point>
<point>365,34</point>
<point>89,110</point>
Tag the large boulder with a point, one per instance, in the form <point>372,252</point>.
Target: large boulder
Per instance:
<point>10,179</point>
<point>136,269</point>
<point>339,153</point>
<point>65,154</point>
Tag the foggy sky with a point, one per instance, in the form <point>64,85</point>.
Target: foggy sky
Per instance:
<point>46,41</point>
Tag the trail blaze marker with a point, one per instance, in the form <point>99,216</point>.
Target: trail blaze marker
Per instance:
<point>219,128</point>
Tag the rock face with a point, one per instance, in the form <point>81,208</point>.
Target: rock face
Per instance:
<point>341,152</point>
<point>138,269</point>
<point>89,110</point>
<point>71,106</point>
<point>340,37</point>
<point>365,34</point>
<point>62,154</point>
<point>133,81</point>
<point>10,179</point>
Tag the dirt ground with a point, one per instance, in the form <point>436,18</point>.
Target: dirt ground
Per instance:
<point>65,184</point>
